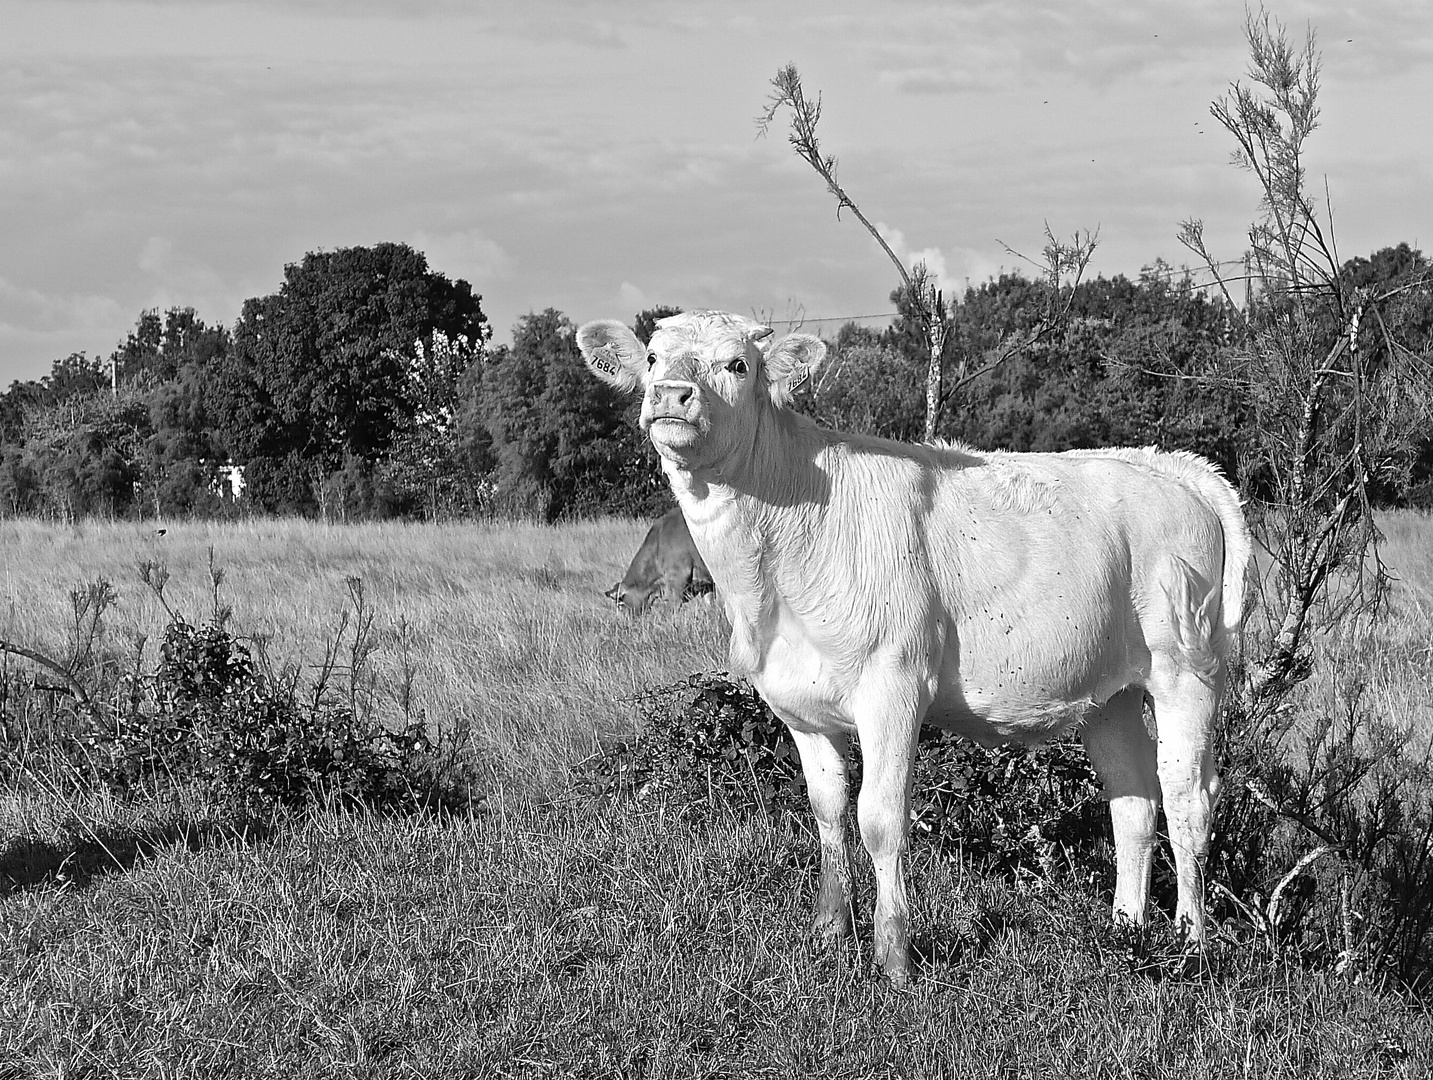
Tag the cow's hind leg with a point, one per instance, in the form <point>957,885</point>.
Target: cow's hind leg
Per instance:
<point>823,761</point>
<point>1185,706</point>
<point>1123,754</point>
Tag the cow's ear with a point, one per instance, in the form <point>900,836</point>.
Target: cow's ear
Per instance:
<point>789,362</point>
<point>613,353</point>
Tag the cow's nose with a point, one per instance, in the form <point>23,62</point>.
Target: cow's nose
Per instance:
<point>672,396</point>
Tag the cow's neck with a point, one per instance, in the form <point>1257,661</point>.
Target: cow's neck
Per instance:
<point>754,519</point>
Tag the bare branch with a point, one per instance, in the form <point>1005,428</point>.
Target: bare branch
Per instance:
<point>787,93</point>
<point>72,684</point>
<point>1061,261</point>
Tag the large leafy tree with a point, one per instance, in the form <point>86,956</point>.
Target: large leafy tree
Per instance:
<point>74,377</point>
<point>76,457</point>
<point>560,439</point>
<point>68,443</point>
<point>869,384</point>
<point>1107,375</point>
<point>161,347</point>
<point>1405,278</point>
<point>336,364</point>
<point>172,361</point>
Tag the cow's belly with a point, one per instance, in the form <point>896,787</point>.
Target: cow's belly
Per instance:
<point>994,722</point>
<point>988,684</point>
<point>994,694</point>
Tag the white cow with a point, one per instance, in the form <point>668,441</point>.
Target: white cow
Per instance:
<point>872,585</point>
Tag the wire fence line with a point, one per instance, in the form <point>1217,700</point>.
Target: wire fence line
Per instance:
<point>1169,272</point>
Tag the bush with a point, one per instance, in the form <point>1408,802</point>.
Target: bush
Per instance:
<point>1014,810</point>
<point>1018,811</point>
<point>1322,854</point>
<point>211,716</point>
<point>1323,850</point>
<point>706,741</point>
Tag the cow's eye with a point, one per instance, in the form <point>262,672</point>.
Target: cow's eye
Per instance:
<point>737,367</point>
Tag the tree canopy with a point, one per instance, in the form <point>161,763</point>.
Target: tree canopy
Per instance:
<point>340,360</point>
<point>366,386</point>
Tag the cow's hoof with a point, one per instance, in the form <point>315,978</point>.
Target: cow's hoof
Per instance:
<point>897,975</point>
<point>894,963</point>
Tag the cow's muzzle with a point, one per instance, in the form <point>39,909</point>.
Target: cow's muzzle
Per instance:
<point>671,400</point>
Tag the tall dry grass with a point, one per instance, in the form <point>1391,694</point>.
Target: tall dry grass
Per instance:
<point>1382,668</point>
<point>499,629</point>
<point>502,629</point>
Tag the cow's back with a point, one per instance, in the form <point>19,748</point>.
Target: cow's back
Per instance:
<point>680,563</point>
<point>667,566</point>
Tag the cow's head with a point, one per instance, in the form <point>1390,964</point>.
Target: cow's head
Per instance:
<point>634,598</point>
<point>705,377</point>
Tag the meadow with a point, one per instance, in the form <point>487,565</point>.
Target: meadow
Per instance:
<point>502,629</point>
<point>545,932</point>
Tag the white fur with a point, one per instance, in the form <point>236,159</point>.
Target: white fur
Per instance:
<point>872,585</point>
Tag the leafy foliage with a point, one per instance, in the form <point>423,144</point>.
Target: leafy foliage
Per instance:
<point>340,361</point>
<point>213,717</point>
<point>712,742</point>
<point>78,445</point>
<point>333,411</point>
<point>208,713</point>
<point>867,385</point>
<point>706,742</point>
<point>1020,811</point>
<point>564,443</point>
<point>1324,841</point>
<point>1109,375</point>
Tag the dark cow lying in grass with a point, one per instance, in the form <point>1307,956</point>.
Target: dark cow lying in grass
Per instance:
<point>666,567</point>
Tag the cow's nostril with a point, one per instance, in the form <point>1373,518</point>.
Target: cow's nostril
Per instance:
<point>672,395</point>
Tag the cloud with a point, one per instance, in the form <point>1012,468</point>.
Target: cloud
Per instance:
<point>467,254</point>
<point>158,152</point>
<point>934,80</point>
<point>632,298</point>
<point>54,311</point>
<point>952,271</point>
<point>180,280</point>
<point>37,328</point>
<point>1105,43</point>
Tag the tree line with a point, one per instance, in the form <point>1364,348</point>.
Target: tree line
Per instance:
<point>368,386</point>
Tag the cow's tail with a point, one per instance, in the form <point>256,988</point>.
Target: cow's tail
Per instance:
<point>1209,614</point>
<point>1238,553</point>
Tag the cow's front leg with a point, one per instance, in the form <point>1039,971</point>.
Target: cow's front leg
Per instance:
<point>888,730</point>
<point>823,761</point>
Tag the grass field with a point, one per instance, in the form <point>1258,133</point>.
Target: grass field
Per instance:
<point>503,629</point>
<point>549,935</point>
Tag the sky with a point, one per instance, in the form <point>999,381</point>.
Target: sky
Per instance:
<point>603,157</point>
